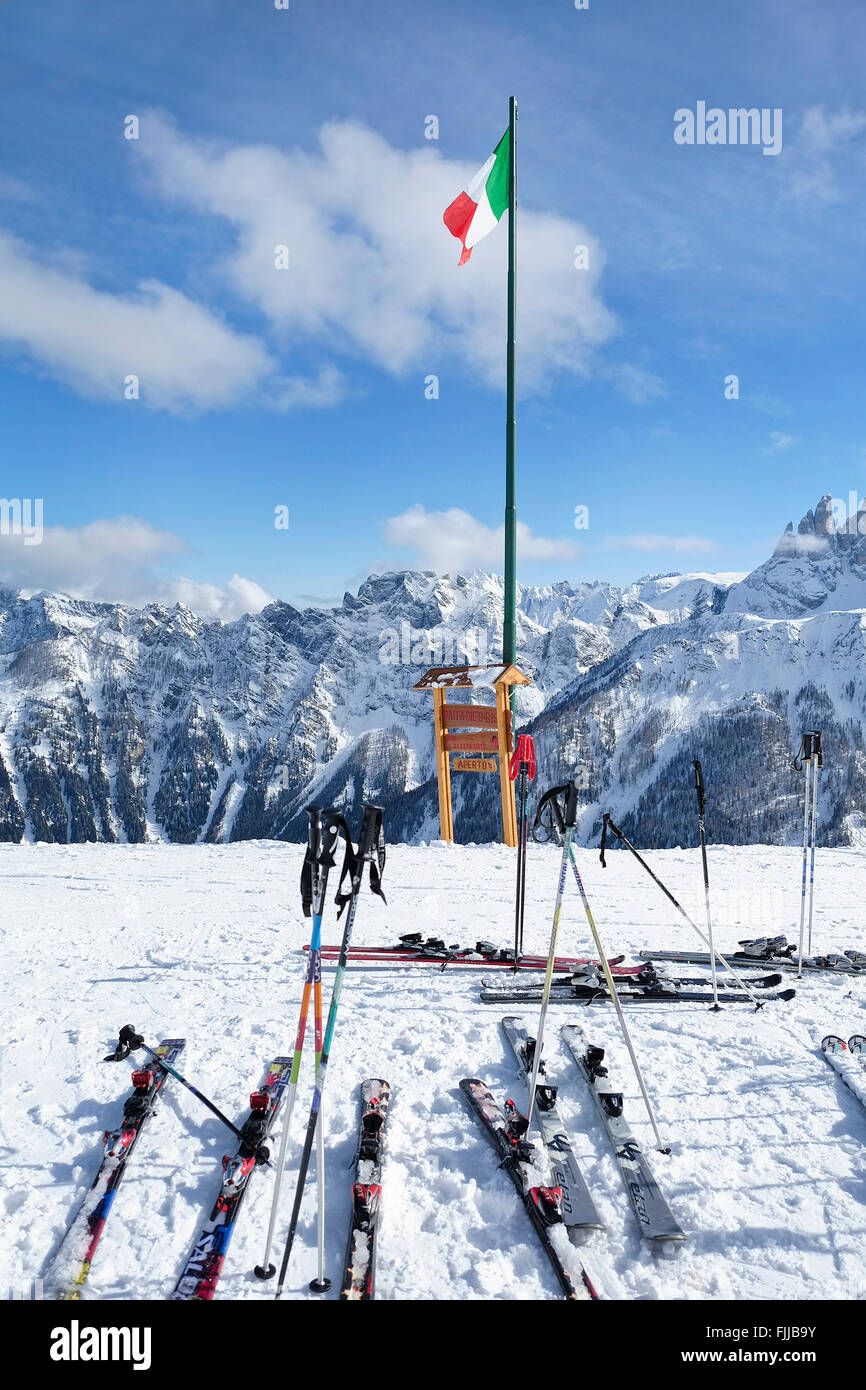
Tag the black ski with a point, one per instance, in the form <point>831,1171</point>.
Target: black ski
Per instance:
<point>579,1213</point>
<point>647,979</point>
<point>360,1272</point>
<point>543,1203</point>
<point>647,994</point>
<point>71,1265</point>
<point>772,951</point>
<point>655,1218</point>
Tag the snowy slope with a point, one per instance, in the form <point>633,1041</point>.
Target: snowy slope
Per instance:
<point>767,1169</point>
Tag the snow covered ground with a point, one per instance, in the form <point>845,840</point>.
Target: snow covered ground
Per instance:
<point>767,1171</point>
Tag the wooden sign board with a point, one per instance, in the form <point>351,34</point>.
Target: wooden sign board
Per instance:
<point>471,743</point>
<point>500,680</point>
<point>470,717</point>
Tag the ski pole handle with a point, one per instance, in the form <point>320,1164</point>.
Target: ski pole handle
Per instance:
<point>370,834</point>
<point>699,786</point>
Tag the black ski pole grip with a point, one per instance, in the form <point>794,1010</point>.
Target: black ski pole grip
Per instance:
<point>368,836</point>
<point>571,805</point>
<point>699,785</point>
<point>314,843</point>
<point>551,799</point>
<point>604,821</point>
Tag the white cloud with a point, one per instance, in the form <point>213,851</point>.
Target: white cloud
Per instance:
<point>184,355</point>
<point>373,272</point>
<point>824,141</point>
<point>791,542</point>
<point>779,442</point>
<point>650,542</point>
<point>637,384</point>
<point>117,562</point>
<point>453,541</point>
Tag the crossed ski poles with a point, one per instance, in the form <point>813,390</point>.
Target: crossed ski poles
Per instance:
<point>562,803</point>
<point>324,833</point>
<point>370,841</point>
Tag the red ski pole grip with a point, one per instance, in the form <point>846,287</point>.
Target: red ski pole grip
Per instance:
<point>523,756</point>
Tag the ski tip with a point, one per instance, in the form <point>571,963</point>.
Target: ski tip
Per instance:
<point>786,994</point>
<point>262,1273</point>
<point>857,1042</point>
<point>832,1043</point>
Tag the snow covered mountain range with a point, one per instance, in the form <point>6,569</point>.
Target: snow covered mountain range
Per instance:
<point>121,724</point>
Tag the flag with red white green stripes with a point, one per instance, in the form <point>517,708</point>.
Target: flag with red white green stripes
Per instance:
<point>478,209</point>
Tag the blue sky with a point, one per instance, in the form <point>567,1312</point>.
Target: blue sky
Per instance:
<point>305,387</point>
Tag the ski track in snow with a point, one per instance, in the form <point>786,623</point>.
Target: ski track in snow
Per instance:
<point>767,1173</point>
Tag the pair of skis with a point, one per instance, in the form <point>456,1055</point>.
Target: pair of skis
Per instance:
<point>566,1204</point>
<point>774,951</point>
<point>849,1060</point>
<point>587,987</point>
<point>434,951</point>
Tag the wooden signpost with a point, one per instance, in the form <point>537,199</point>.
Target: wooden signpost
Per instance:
<point>496,736</point>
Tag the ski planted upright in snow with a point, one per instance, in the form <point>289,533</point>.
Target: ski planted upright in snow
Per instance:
<point>71,1265</point>
<point>360,1271</point>
<point>200,1274</point>
<point>579,1214</point>
<point>655,1218</point>
<point>543,1203</point>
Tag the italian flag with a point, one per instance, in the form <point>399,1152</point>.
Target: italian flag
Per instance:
<point>477,210</point>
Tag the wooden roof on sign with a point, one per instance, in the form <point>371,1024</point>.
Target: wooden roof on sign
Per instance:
<point>470,677</point>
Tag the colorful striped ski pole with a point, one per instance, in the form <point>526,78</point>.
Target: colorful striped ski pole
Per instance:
<point>314,878</point>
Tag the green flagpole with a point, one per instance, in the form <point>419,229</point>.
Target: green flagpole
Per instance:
<point>509,625</point>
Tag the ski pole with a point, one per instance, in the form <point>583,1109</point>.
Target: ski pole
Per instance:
<point>565,821</point>
<point>803,760</point>
<point>608,824</point>
<point>130,1041</point>
<point>314,878</point>
<point>370,840</point>
<point>602,955</point>
<point>702,801</point>
<point>321,1283</point>
<point>522,762</point>
<point>817,762</point>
